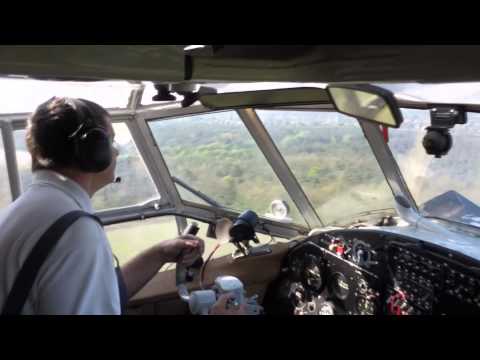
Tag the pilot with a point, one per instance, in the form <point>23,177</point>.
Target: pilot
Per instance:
<point>71,142</point>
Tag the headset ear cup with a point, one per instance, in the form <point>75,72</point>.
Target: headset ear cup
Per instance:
<point>94,151</point>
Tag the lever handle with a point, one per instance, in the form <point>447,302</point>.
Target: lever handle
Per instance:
<point>192,229</point>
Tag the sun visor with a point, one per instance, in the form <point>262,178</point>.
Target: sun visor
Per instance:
<point>164,63</point>
<point>266,98</point>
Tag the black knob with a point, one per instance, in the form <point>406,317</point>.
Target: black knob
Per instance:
<point>191,229</point>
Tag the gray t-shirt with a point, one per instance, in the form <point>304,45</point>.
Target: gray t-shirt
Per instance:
<point>78,276</point>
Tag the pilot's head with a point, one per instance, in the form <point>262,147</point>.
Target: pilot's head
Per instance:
<point>74,135</point>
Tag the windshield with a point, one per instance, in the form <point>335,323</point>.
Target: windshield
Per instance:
<point>331,159</point>
<point>445,187</point>
<point>213,158</point>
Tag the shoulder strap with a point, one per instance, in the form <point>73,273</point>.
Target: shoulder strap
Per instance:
<point>27,274</point>
<point>122,287</point>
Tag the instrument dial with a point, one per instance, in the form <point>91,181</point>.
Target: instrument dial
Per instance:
<point>365,306</point>
<point>339,286</point>
<point>312,273</point>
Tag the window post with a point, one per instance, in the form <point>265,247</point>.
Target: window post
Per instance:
<point>11,159</point>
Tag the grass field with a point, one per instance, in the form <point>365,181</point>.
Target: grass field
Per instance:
<point>129,239</point>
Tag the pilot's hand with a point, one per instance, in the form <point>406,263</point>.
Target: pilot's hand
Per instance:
<point>185,249</point>
<point>224,306</point>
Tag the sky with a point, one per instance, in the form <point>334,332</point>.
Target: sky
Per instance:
<point>24,95</point>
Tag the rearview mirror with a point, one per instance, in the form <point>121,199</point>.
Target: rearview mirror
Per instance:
<point>366,102</point>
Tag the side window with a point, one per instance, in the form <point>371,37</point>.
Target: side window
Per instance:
<point>130,167</point>
<point>5,195</point>
<point>131,238</point>
<point>24,160</point>
<point>215,154</point>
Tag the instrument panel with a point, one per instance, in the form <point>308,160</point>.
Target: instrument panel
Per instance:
<point>372,272</point>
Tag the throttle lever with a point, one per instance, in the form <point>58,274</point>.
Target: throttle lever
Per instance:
<point>196,266</point>
<point>186,273</point>
<point>201,301</point>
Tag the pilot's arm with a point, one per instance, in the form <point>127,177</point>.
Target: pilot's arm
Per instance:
<point>143,267</point>
<point>186,248</point>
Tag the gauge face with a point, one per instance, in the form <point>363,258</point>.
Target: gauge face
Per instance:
<point>339,286</point>
<point>297,294</point>
<point>362,286</point>
<point>361,254</point>
<point>326,308</point>
<point>365,306</point>
<point>296,266</point>
<point>312,273</point>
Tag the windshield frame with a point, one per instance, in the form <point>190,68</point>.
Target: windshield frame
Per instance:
<point>468,108</point>
<point>404,201</point>
<point>137,116</point>
<point>354,218</point>
<point>372,133</point>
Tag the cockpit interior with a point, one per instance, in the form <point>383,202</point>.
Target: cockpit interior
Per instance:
<point>320,186</point>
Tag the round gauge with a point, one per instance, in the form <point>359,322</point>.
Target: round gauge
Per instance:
<point>296,267</point>
<point>362,286</point>
<point>326,308</point>
<point>339,286</point>
<point>361,254</point>
<point>296,294</point>
<point>365,306</point>
<point>312,274</point>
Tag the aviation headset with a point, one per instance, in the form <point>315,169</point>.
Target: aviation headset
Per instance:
<point>92,147</point>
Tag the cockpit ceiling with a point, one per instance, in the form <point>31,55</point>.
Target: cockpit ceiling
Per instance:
<point>94,62</point>
<point>233,63</point>
<point>339,63</point>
